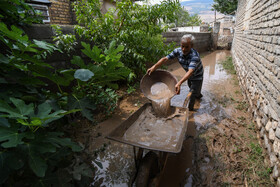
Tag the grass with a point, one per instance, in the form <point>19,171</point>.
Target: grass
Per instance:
<point>257,173</point>
<point>242,105</point>
<point>228,65</point>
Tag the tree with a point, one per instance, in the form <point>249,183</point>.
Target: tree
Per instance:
<point>137,27</point>
<point>225,6</point>
<point>185,19</point>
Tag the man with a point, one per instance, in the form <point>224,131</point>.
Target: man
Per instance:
<point>191,62</point>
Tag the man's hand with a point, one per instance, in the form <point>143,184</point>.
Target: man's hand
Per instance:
<point>151,69</point>
<point>157,65</point>
<point>178,88</point>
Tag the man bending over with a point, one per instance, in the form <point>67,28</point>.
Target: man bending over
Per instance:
<point>191,62</point>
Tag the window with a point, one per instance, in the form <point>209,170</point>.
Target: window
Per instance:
<point>41,7</point>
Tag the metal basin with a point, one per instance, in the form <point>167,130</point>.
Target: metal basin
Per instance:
<point>157,76</point>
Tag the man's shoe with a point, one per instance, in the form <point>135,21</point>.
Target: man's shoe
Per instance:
<point>199,97</point>
<point>191,109</point>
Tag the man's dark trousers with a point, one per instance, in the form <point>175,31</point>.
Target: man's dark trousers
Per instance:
<point>195,87</point>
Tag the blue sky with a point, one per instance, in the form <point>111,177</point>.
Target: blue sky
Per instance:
<point>200,7</point>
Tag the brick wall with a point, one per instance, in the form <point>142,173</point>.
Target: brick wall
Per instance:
<point>256,55</point>
<point>61,12</point>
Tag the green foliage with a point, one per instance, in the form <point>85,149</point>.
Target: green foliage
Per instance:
<point>106,68</point>
<point>34,148</point>
<point>65,42</point>
<point>103,70</point>
<point>185,19</point>
<point>29,115</point>
<point>30,152</point>
<point>83,74</point>
<point>17,12</point>
<point>25,151</point>
<point>137,28</point>
<point>225,6</point>
<point>228,65</point>
<point>103,99</point>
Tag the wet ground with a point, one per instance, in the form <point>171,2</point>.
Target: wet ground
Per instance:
<point>217,143</point>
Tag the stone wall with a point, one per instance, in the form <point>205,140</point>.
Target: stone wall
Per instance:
<point>256,55</point>
<point>202,41</point>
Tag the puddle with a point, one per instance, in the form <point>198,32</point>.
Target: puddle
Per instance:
<point>114,166</point>
<point>117,159</point>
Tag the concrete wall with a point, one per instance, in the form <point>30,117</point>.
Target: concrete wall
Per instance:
<point>256,54</point>
<point>45,32</point>
<point>202,41</point>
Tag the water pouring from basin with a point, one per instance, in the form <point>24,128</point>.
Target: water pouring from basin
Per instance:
<point>159,87</point>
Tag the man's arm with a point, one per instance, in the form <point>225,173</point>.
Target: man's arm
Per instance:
<point>157,65</point>
<point>186,76</point>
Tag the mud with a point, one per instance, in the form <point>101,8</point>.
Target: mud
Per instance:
<point>215,151</point>
<point>156,132</point>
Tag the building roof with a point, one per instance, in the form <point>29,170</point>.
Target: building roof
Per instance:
<point>40,1</point>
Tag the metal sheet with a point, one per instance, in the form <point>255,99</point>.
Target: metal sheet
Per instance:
<point>118,133</point>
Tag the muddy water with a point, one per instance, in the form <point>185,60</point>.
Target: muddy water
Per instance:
<point>117,161</point>
<point>161,96</point>
<point>156,132</point>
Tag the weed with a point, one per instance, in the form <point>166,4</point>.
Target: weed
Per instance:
<point>237,92</point>
<point>241,118</point>
<point>251,126</point>
<point>236,83</point>
<point>264,173</point>
<point>228,65</point>
<point>257,173</point>
<point>242,105</point>
<point>130,89</point>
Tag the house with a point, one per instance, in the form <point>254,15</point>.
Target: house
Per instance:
<point>60,11</point>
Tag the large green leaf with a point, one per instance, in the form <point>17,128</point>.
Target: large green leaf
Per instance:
<point>4,122</point>
<point>84,104</point>
<point>37,164</point>
<point>14,34</point>
<point>4,59</point>
<point>11,137</point>
<point>79,62</point>
<point>55,139</point>
<point>44,115</point>
<point>10,111</point>
<point>44,45</point>
<point>83,74</point>
<point>94,54</point>
<point>112,52</point>
<point>41,71</point>
<point>21,107</point>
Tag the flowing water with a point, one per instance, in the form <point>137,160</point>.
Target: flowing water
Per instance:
<point>161,96</point>
<point>117,160</point>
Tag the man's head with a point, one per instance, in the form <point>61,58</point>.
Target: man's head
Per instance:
<point>187,43</point>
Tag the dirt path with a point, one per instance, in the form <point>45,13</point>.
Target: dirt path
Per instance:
<point>221,147</point>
